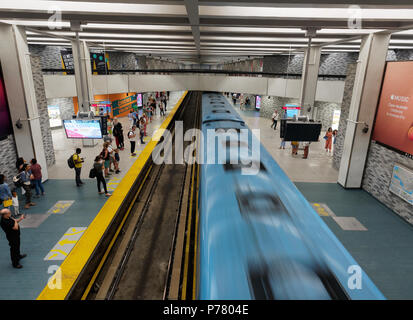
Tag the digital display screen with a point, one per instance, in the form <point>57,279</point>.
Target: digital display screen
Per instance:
<point>83,129</point>
<point>394,120</point>
<point>5,119</point>
<point>291,110</point>
<point>258,102</point>
<point>139,100</point>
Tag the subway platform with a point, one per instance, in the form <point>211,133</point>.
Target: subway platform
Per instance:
<point>56,224</point>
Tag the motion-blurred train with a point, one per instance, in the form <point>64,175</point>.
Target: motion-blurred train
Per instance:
<point>258,236</point>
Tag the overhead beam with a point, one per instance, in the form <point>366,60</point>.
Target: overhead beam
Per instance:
<point>193,16</point>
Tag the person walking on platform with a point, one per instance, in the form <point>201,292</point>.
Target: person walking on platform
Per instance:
<point>329,139</point>
<point>275,118</point>
<point>306,149</point>
<point>37,173</point>
<point>78,166</point>
<point>132,136</point>
<point>98,166</point>
<point>11,228</point>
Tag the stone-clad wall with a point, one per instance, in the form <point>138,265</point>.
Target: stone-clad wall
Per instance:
<point>330,64</point>
<point>8,158</point>
<point>325,112</point>
<point>345,110</point>
<point>42,109</point>
<point>122,61</point>
<point>65,105</point>
<point>377,178</point>
<point>50,57</point>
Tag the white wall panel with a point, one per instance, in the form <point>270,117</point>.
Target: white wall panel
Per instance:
<point>330,91</point>
<point>116,83</point>
<point>59,86</point>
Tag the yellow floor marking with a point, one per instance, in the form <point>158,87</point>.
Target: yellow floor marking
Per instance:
<point>58,250</point>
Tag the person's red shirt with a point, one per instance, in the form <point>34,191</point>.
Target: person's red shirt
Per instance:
<point>36,170</point>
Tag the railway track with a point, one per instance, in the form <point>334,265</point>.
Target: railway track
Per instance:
<point>152,252</point>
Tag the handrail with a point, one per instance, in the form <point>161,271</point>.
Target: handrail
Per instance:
<point>204,71</point>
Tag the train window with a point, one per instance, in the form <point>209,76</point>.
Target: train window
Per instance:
<point>223,130</point>
<point>220,111</point>
<point>208,119</point>
<point>239,166</point>
<point>290,279</point>
<point>253,204</point>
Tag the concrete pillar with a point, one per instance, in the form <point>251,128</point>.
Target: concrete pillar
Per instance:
<point>83,74</point>
<point>18,77</point>
<point>366,92</point>
<point>309,78</point>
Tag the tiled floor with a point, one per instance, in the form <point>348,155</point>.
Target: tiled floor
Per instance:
<point>317,168</point>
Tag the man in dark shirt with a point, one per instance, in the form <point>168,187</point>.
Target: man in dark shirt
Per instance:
<point>11,227</point>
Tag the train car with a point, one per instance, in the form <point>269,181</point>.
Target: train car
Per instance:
<point>258,237</point>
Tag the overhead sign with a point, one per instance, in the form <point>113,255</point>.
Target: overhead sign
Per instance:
<point>402,183</point>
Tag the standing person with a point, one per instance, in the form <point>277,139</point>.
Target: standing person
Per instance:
<point>295,145</point>
<point>78,166</point>
<point>334,137</point>
<point>274,118</point>
<point>161,110</point>
<point>105,156</point>
<point>234,98</point>
<point>37,173</point>
<point>142,130</point>
<point>110,126</point>
<point>19,163</point>
<point>98,166</point>
<point>328,137</point>
<point>26,177</point>
<point>132,136</point>
<point>163,102</point>
<point>11,228</point>
<point>130,117</point>
<point>5,193</point>
<point>282,144</point>
<point>306,149</point>
<point>135,118</point>
<point>15,203</point>
<point>118,133</point>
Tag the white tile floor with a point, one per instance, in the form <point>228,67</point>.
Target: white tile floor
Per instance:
<point>65,147</point>
<point>318,167</point>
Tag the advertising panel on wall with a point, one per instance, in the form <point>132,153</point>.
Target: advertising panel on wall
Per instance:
<point>54,116</point>
<point>402,183</point>
<point>139,100</point>
<point>291,110</point>
<point>394,119</point>
<point>5,119</point>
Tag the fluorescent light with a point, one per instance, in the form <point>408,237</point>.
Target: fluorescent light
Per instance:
<point>271,39</point>
<point>304,13</point>
<point>134,26</point>
<point>92,7</point>
<point>51,43</point>
<point>32,23</point>
<point>133,41</point>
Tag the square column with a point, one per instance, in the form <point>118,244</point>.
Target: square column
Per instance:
<point>310,78</point>
<point>18,77</point>
<point>366,92</point>
<point>83,74</point>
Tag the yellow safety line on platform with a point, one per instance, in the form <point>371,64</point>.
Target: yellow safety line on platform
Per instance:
<point>188,239</point>
<point>73,265</point>
<point>196,236</point>
<point>112,242</point>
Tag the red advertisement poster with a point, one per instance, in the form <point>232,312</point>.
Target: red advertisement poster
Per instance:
<point>394,120</point>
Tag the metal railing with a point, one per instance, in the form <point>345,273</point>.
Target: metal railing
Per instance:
<point>199,71</point>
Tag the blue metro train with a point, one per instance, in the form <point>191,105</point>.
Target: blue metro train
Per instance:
<point>258,236</point>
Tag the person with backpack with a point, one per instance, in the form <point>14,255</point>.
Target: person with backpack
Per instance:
<point>105,156</point>
<point>5,193</point>
<point>98,168</point>
<point>118,133</point>
<point>77,161</point>
<point>132,136</point>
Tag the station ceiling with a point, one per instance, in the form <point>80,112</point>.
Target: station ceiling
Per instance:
<point>212,31</point>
